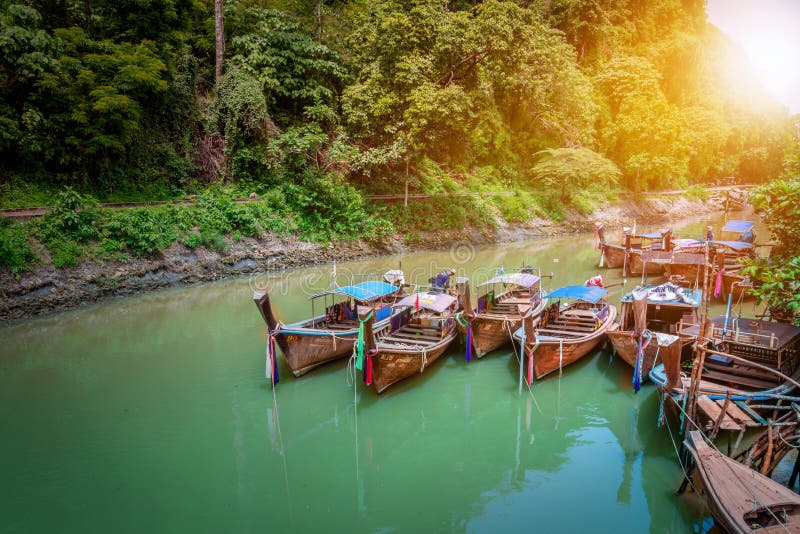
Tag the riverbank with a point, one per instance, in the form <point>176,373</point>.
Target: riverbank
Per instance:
<point>46,289</point>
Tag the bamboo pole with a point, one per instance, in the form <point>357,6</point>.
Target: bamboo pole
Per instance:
<point>699,356</point>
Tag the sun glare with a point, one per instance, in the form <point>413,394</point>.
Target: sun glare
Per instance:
<point>766,31</point>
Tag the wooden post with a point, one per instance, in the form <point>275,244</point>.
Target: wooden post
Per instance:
<point>699,353</point>
<point>727,202</point>
<point>627,254</point>
<point>768,455</point>
<point>723,413</point>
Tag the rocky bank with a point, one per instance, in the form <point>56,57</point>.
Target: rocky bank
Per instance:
<point>46,289</point>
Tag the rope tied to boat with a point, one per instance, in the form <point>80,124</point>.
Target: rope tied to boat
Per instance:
<point>424,360</point>
<point>271,365</point>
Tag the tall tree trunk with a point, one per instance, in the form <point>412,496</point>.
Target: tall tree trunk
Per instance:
<point>319,21</point>
<point>219,30</point>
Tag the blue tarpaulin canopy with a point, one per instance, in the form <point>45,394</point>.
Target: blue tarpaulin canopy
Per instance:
<point>735,245</point>
<point>589,294</point>
<point>738,226</point>
<point>649,236</point>
<point>364,291</point>
<point>518,279</point>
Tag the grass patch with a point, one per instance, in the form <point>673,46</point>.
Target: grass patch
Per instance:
<point>697,193</point>
<point>16,253</point>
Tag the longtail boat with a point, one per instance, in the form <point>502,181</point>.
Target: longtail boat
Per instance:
<point>331,334</point>
<point>498,315</point>
<point>743,359</point>
<point>636,260</point>
<point>425,329</point>
<point>566,333</point>
<point>686,266</point>
<point>628,255</point>
<point>738,286</point>
<point>612,256</point>
<point>741,499</point>
<point>648,321</point>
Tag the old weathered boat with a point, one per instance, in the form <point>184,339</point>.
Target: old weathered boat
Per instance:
<point>330,335</point>
<point>612,256</point>
<point>652,242</point>
<point>740,498</point>
<point>738,286</point>
<point>688,267</point>
<point>743,359</point>
<point>566,333</point>
<point>425,329</point>
<point>629,254</point>
<point>648,325</point>
<point>499,314</point>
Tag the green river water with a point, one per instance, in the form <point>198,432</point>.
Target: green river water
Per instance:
<point>152,414</point>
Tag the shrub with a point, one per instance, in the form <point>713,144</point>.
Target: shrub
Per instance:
<point>15,251</point>
<point>209,240</point>
<point>220,214</point>
<point>64,252</point>
<point>697,192</point>
<point>513,208</point>
<point>328,209</point>
<point>144,231</point>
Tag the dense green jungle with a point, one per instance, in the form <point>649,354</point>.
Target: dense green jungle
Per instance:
<point>309,105</point>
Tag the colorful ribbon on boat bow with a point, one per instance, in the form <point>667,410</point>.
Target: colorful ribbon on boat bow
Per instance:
<point>360,342</point>
<point>271,370</point>
<point>466,322</point>
<point>641,344</point>
<point>718,283</point>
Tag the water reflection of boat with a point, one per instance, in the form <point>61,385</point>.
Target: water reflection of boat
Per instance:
<point>329,336</point>
<point>566,333</point>
<point>648,322</point>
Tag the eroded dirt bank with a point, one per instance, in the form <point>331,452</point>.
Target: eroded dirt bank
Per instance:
<point>46,289</point>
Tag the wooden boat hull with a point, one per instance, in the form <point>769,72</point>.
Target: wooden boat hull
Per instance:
<point>737,286</point>
<point>392,363</point>
<point>636,265</point>
<point>690,273</point>
<point>738,496</point>
<point>553,354</point>
<point>626,350</point>
<point>613,255</point>
<point>305,351</point>
<point>305,345</point>
<point>492,331</point>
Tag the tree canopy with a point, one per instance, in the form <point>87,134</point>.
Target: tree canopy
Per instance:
<point>118,95</point>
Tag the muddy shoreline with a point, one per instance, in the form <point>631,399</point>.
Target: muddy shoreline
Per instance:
<point>46,289</point>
